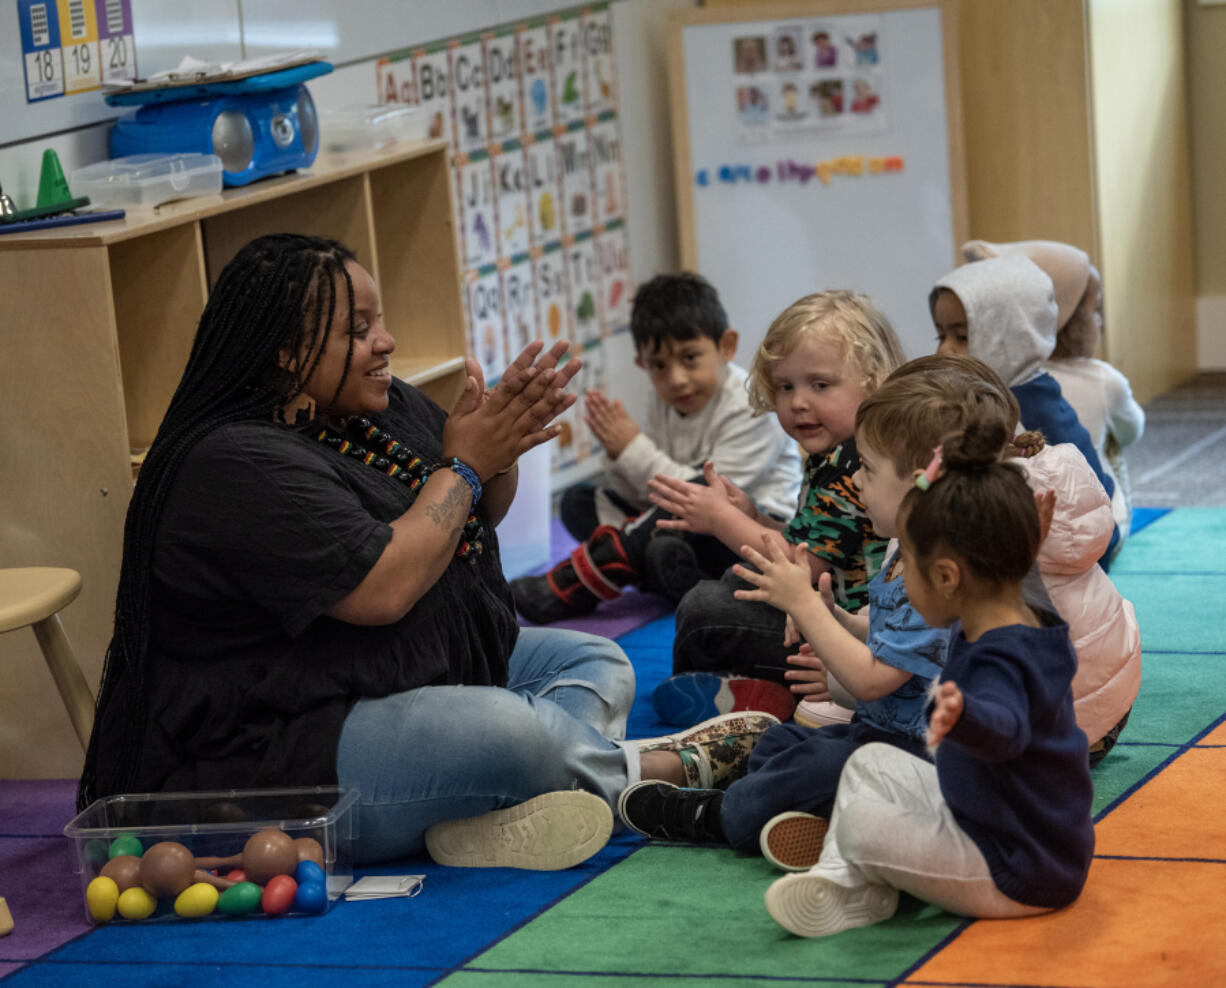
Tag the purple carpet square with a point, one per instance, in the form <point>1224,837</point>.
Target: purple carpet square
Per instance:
<point>36,807</point>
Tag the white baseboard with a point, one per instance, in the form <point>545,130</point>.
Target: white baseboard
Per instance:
<point>1211,332</point>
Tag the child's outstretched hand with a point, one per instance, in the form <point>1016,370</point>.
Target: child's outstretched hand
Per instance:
<point>946,710</point>
<point>739,499</point>
<point>809,680</point>
<point>609,421</point>
<point>784,581</point>
<point>694,507</point>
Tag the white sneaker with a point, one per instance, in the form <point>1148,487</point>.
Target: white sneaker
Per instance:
<point>547,833</point>
<point>812,906</point>
<point>821,713</point>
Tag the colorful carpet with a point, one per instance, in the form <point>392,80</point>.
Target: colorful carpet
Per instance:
<point>656,916</point>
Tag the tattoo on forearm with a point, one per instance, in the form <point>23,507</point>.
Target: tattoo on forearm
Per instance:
<point>453,507</point>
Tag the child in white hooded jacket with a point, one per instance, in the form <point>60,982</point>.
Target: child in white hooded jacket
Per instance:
<point>1003,311</point>
<point>1099,393</point>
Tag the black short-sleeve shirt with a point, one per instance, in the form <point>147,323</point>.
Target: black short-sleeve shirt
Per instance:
<point>265,529</point>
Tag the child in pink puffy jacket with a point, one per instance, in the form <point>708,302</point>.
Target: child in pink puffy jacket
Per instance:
<point>1102,624</point>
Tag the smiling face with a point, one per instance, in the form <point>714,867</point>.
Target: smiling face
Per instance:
<point>817,391</point>
<point>949,316</point>
<point>686,373</point>
<point>369,375</point>
<point>881,488</point>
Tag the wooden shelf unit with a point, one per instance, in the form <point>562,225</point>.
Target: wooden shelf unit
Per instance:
<point>98,323</point>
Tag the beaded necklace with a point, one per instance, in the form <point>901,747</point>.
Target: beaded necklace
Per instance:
<point>365,441</point>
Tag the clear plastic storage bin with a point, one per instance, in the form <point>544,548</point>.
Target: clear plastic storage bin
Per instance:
<point>369,128</point>
<point>148,179</point>
<point>173,856</point>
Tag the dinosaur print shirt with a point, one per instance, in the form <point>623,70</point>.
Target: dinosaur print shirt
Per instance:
<point>832,520</point>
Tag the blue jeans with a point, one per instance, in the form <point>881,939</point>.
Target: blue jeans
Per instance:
<point>447,752</point>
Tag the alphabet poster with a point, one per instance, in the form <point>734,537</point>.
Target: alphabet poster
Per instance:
<point>540,187</point>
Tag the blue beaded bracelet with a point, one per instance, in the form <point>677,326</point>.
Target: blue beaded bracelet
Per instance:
<point>467,474</point>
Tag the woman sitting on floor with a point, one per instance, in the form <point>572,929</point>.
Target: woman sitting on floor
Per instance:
<point>311,591</point>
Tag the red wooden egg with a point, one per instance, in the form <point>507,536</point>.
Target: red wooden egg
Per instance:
<point>278,895</point>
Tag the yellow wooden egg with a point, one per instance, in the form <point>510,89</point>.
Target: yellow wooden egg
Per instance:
<point>197,900</point>
<point>101,898</point>
<point>136,903</point>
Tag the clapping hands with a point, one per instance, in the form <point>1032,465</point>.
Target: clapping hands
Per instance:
<point>698,507</point>
<point>490,428</point>
<point>610,423</point>
<point>784,579</point>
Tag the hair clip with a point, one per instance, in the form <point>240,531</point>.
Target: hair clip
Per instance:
<point>926,477</point>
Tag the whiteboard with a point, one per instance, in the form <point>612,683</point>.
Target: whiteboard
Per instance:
<point>751,222</point>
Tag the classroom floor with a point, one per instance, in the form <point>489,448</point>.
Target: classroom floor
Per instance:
<point>1180,459</point>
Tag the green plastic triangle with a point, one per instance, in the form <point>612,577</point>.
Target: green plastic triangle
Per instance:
<point>52,186</point>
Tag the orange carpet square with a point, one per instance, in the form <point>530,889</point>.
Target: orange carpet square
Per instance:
<point>1137,923</point>
<point>1177,814</point>
<point>1216,736</point>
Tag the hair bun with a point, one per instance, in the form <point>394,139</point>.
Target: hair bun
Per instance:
<point>978,446</point>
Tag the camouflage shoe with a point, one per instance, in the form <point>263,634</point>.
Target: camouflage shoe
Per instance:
<point>744,722</point>
<point>715,753</point>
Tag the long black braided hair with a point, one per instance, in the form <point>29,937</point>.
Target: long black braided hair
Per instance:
<point>258,343</point>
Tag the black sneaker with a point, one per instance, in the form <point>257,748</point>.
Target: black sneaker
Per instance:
<point>662,811</point>
<point>1099,749</point>
<point>536,599</point>
<point>670,568</point>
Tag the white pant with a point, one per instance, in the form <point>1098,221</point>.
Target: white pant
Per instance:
<point>891,826</point>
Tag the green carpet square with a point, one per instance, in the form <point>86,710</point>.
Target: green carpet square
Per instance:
<point>547,979</point>
<point>1181,695</point>
<point>1179,613</point>
<point>1181,541</point>
<point>693,911</point>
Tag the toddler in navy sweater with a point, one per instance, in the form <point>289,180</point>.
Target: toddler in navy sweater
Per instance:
<point>1000,825</point>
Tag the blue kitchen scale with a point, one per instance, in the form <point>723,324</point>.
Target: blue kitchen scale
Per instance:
<point>260,125</point>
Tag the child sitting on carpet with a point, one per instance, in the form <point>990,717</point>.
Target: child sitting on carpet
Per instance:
<point>886,660</point>
<point>699,414</point>
<point>1102,624</point>
<point>1003,311</point>
<point>1100,395</point>
<point>820,359</point>
<point>999,826</point>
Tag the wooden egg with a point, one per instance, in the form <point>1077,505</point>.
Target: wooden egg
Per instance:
<point>309,849</point>
<point>266,854</point>
<point>124,871</point>
<point>166,869</point>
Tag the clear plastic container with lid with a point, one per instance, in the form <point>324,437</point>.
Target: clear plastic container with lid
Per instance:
<point>148,179</point>
<point>195,855</point>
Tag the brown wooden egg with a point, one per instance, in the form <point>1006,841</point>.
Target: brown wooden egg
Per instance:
<point>309,849</point>
<point>123,870</point>
<point>268,853</point>
<point>166,869</point>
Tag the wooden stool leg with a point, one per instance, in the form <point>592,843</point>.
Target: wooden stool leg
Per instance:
<point>67,675</point>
